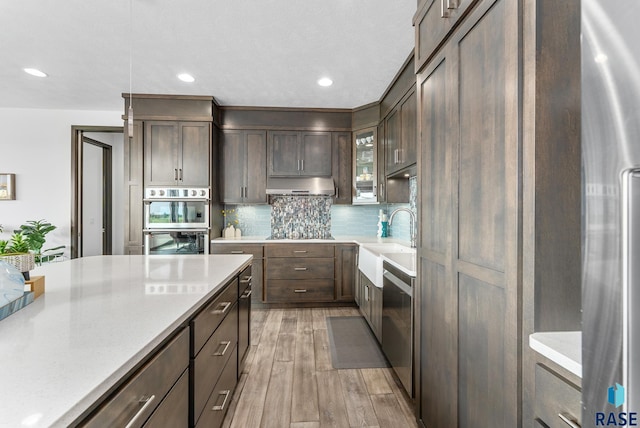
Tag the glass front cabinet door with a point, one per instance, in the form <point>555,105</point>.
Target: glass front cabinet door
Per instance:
<point>365,163</point>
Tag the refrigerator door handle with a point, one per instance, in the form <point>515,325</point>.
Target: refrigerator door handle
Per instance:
<point>631,282</point>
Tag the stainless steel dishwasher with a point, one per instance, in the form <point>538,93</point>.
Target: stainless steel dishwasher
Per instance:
<point>397,323</point>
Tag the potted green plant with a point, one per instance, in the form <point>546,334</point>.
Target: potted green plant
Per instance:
<point>16,252</point>
<point>24,248</point>
<point>34,232</point>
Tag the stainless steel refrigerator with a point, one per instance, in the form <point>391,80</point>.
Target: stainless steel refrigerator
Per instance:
<point>611,207</point>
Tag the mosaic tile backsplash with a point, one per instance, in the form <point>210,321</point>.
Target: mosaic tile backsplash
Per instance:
<point>301,217</point>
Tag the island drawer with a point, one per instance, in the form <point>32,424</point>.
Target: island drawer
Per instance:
<point>310,290</point>
<point>555,396</point>
<point>138,398</point>
<point>174,409</point>
<point>210,362</point>
<point>253,249</point>
<point>299,250</point>
<point>220,399</point>
<point>205,323</point>
<point>307,268</point>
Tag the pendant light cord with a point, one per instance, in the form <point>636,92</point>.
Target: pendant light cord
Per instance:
<point>130,111</point>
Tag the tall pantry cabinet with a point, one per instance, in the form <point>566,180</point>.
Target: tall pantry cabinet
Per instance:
<point>472,87</point>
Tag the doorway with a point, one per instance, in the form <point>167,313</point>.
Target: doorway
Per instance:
<point>97,162</point>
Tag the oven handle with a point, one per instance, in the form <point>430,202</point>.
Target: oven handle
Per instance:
<point>403,286</point>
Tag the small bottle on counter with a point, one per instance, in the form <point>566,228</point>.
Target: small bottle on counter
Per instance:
<point>385,226</point>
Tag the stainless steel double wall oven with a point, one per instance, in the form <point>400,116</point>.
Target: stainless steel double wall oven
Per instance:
<point>176,220</point>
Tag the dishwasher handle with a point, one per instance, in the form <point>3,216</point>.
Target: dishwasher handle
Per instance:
<point>406,288</point>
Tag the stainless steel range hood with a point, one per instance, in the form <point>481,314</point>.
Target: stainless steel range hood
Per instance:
<point>301,186</point>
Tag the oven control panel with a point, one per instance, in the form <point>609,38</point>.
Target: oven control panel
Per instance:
<point>176,193</point>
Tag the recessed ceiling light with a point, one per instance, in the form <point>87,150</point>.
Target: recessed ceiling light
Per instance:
<point>186,77</point>
<point>325,81</point>
<point>407,175</point>
<point>35,72</point>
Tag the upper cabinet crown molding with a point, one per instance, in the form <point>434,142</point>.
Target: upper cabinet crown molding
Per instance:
<point>171,107</point>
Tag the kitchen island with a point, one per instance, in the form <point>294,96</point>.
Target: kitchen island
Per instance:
<point>97,322</point>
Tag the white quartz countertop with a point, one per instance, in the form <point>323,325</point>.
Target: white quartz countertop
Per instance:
<point>562,347</point>
<point>98,318</point>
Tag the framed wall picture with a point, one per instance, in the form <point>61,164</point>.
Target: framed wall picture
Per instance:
<point>7,187</point>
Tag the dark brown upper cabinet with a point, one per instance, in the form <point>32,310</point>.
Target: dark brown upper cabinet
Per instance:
<point>401,128</point>
<point>292,153</point>
<point>176,153</point>
<point>244,166</point>
<point>341,168</point>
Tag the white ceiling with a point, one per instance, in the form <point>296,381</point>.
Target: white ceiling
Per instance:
<point>243,52</point>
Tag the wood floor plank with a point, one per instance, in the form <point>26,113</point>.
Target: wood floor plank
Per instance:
<point>376,381</point>
<point>401,394</point>
<point>359,407</point>
<point>304,405</point>
<point>305,320</point>
<point>251,403</point>
<point>389,413</point>
<point>277,406</point>
<point>333,411</point>
<point>286,347</point>
<point>322,350</point>
<point>258,318</point>
<point>305,425</point>
<point>319,319</point>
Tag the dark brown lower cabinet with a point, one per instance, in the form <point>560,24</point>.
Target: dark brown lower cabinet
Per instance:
<point>148,390</point>
<point>189,381</point>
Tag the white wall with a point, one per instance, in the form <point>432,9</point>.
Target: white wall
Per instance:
<point>36,146</point>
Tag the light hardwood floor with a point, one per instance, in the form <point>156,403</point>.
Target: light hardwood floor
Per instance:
<point>288,380</point>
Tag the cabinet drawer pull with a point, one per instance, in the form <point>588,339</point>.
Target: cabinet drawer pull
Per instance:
<point>226,393</point>
<point>175,174</point>
<point>224,306</point>
<point>302,162</point>
<point>224,351</point>
<point>452,4</point>
<point>299,251</point>
<point>300,268</point>
<point>298,164</point>
<point>444,11</point>
<point>300,290</point>
<point>146,402</point>
<point>237,252</point>
<point>246,295</point>
<point>568,420</point>
<point>246,280</point>
<point>246,195</point>
<point>180,172</point>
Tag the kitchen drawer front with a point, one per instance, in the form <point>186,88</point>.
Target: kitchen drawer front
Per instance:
<point>220,399</point>
<point>299,250</point>
<point>174,409</point>
<point>307,268</point>
<point>310,290</point>
<point>555,396</point>
<point>245,281</point>
<point>253,249</point>
<point>210,362</point>
<point>210,318</point>
<point>139,397</point>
